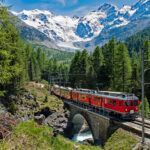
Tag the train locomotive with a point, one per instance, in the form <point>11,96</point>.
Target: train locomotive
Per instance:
<point>119,104</point>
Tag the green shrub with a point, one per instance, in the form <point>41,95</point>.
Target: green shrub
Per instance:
<point>46,99</point>
<point>44,82</point>
<point>12,108</point>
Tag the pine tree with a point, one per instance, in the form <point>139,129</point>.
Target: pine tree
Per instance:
<point>146,48</point>
<point>91,78</point>
<point>135,77</point>
<point>98,60</point>
<point>146,105</point>
<point>123,65</point>
<point>74,71</point>
<point>110,60</point>
<point>83,68</point>
<point>11,54</point>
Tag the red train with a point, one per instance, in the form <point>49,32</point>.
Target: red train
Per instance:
<point>122,105</point>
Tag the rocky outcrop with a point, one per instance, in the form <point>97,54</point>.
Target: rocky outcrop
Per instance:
<point>45,111</point>
<point>58,121</point>
<point>39,119</point>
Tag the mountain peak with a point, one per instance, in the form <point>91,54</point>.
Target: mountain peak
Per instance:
<point>36,11</point>
<point>77,30</point>
<point>76,17</point>
<point>107,6</point>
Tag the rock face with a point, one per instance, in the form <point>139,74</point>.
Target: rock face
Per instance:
<point>58,121</point>
<point>39,119</point>
<point>45,111</point>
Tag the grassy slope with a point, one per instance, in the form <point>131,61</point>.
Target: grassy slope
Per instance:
<point>121,140</point>
<point>53,102</point>
<point>30,136</point>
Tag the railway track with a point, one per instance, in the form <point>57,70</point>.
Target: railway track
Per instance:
<point>139,122</point>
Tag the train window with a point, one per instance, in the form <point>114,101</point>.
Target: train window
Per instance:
<point>110,102</point>
<point>105,101</point>
<point>83,96</point>
<point>90,97</point>
<point>114,102</point>
<point>99,99</point>
<point>135,103</point>
<point>126,103</point>
<point>95,99</point>
<point>131,103</point>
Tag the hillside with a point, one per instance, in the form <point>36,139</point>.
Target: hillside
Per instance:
<point>136,41</point>
<point>62,56</point>
<point>30,34</point>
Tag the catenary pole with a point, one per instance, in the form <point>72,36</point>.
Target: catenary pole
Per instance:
<point>142,54</point>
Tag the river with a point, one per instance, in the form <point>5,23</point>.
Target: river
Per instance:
<point>80,137</point>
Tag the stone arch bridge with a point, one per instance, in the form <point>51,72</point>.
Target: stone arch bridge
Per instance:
<point>101,126</point>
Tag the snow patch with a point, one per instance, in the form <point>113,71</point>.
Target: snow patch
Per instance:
<point>125,9</point>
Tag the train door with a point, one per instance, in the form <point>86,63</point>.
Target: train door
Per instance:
<point>99,101</point>
<point>90,99</point>
<point>103,103</point>
<point>70,95</point>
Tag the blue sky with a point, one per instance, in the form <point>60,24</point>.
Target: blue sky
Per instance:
<point>64,7</point>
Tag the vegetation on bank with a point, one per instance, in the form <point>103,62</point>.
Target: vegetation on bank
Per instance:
<point>121,140</point>
<point>44,98</point>
<point>30,136</point>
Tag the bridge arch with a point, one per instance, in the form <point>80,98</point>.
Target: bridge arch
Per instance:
<point>81,123</point>
<point>97,126</point>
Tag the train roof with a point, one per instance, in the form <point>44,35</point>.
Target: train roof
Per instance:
<point>64,88</point>
<point>109,94</point>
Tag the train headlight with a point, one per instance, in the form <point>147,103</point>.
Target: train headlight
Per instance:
<point>126,110</point>
<point>131,111</point>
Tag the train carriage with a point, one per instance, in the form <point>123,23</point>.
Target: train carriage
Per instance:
<point>55,90</point>
<point>66,93</point>
<point>122,105</point>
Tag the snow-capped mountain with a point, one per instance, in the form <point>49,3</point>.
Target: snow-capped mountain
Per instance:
<point>93,29</point>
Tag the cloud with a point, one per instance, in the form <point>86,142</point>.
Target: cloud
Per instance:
<point>66,2</point>
<point>74,2</point>
<point>62,1</point>
<point>80,10</point>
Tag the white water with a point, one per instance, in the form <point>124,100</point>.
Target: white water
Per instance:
<point>80,137</point>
